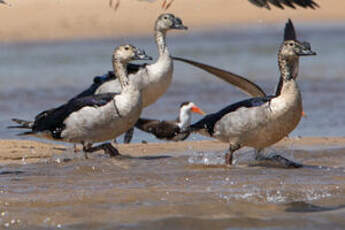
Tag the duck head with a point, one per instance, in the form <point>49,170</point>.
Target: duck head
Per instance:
<point>127,53</point>
<point>186,108</point>
<point>167,22</point>
<point>291,47</point>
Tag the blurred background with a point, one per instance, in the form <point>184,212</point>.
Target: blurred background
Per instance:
<point>51,50</point>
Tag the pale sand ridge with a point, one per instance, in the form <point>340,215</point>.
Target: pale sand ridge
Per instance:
<point>85,19</point>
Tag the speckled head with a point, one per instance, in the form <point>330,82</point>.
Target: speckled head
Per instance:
<point>167,22</point>
<point>291,47</point>
<point>126,53</point>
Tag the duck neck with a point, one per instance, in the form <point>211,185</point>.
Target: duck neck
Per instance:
<point>184,119</point>
<point>289,71</point>
<point>160,38</point>
<point>120,69</point>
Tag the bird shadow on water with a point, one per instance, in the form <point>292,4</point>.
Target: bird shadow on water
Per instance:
<point>244,159</point>
<point>301,206</point>
<point>281,159</point>
<point>7,172</point>
<point>143,157</point>
<point>68,155</point>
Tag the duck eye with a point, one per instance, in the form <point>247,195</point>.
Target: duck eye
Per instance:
<point>290,44</point>
<point>126,48</point>
<point>165,17</point>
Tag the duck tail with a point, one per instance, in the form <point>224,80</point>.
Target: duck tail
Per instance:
<point>26,133</point>
<point>22,124</point>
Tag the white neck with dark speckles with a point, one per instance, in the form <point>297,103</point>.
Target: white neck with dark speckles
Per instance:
<point>160,38</point>
<point>289,71</point>
<point>120,69</point>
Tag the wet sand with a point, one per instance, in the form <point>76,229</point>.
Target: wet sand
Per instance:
<point>167,186</point>
<point>33,20</point>
<point>14,151</point>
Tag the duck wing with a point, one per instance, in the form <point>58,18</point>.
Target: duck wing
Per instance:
<point>53,119</point>
<point>160,129</point>
<point>238,81</point>
<point>99,80</point>
<point>281,3</point>
<point>209,121</point>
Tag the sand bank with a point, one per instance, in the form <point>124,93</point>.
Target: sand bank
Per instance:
<point>14,151</point>
<point>32,20</point>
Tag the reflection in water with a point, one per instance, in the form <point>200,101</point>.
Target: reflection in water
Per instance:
<point>306,207</point>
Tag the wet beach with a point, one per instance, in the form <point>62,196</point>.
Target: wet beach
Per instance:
<point>172,186</point>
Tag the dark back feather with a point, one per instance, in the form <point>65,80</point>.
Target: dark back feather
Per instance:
<point>100,80</point>
<point>209,121</point>
<point>281,3</point>
<point>52,120</point>
<point>161,129</point>
<point>238,81</point>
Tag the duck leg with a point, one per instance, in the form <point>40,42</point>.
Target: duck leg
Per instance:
<point>166,4</point>
<point>128,136</point>
<point>276,158</point>
<point>229,154</point>
<point>106,147</point>
<point>75,148</point>
<point>86,146</point>
<point>117,4</point>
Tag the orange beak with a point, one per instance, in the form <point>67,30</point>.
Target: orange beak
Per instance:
<point>196,109</point>
<point>304,114</point>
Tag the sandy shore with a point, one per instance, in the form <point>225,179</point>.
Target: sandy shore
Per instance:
<point>14,151</point>
<point>162,187</point>
<point>61,19</point>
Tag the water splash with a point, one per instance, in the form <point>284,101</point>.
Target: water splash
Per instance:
<point>207,158</point>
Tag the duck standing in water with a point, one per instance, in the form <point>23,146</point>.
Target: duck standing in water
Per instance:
<point>262,121</point>
<point>153,79</point>
<point>171,130</point>
<point>95,118</point>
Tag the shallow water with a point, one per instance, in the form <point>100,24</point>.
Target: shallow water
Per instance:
<point>37,76</point>
<point>175,192</point>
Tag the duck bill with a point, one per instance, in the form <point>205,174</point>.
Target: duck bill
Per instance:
<point>306,53</point>
<point>196,109</point>
<point>141,55</point>
<point>178,25</point>
<point>305,49</point>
